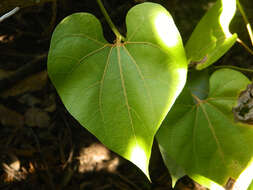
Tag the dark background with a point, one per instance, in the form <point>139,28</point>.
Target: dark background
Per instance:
<point>41,145</point>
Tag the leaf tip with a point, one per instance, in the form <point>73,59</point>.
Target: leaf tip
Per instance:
<point>245,178</point>
<point>140,158</point>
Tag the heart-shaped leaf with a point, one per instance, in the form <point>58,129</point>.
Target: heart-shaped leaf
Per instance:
<point>211,37</point>
<point>199,86</point>
<point>120,92</point>
<point>202,136</point>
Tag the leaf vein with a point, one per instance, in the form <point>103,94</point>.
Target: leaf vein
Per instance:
<point>125,94</point>
<point>79,62</point>
<point>221,87</point>
<point>84,89</point>
<point>210,126</point>
<point>140,119</point>
<point>136,29</point>
<point>149,44</point>
<point>218,110</point>
<point>80,36</point>
<point>102,84</point>
<point>142,78</point>
<point>194,138</point>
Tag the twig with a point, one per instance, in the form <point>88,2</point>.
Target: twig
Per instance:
<point>245,46</point>
<point>248,26</point>
<point>7,15</point>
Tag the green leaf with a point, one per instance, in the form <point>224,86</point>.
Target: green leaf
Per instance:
<point>211,37</point>
<point>201,135</point>
<point>250,186</point>
<point>120,92</point>
<point>176,171</point>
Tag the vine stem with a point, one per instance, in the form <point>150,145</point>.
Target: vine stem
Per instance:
<point>119,37</point>
<point>234,67</point>
<point>248,26</point>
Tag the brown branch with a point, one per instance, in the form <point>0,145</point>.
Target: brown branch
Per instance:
<point>7,5</point>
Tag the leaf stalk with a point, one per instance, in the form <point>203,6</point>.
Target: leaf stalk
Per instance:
<point>119,37</point>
